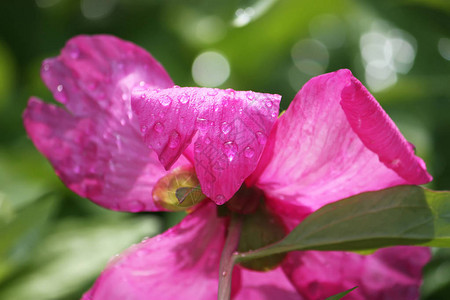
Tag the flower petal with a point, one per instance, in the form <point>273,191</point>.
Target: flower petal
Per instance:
<point>232,131</point>
<point>315,156</point>
<point>96,147</point>
<point>182,263</point>
<point>390,273</point>
<point>96,158</point>
<point>98,72</point>
<point>266,286</point>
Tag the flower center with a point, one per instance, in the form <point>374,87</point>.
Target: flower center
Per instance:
<point>178,190</point>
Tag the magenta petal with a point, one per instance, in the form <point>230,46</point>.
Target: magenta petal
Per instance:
<point>182,263</point>
<point>379,133</point>
<point>96,158</point>
<point>98,73</point>
<point>390,273</point>
<point>232,131</point>
<point>266,286</point>
<point>314,156</point>
<point>95,146</point>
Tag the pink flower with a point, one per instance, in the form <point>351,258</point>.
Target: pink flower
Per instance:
<point>333,142</point>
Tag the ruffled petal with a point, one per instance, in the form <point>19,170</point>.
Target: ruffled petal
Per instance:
<point>266,286</point>
<point>182,263</point>
<point>390,273</point>
<point>316,156</point>
<point>97,73</point>
<point>95,145</point>
<point>96,158</point>
<point>232,131</point>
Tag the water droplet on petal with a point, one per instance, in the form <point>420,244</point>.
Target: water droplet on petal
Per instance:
<point>203,124</point>
<point>261,137</point>
<point>142,83</point>
<point>197,147</point>
<point>220,199</point>
<point>269,103</point>
<point>250,95</point>
<point>74,52</point>
<point>174,139</point>
<point>230,91</point>
<point>60,88</point>
<point>158,127</point>
<point>230,150</point>
<point>165,100</point>
<point>212,92</point>
<point>61,96</point>
<point>46,67</point>
<point>123,122</point>
<point>249,152</point>
<point>274,114</point>
<point>225,127</point>
<point>184,98</point>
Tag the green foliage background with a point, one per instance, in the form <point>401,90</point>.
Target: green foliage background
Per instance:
<point>53,244</point>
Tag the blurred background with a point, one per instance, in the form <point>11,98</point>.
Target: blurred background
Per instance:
<point>53,244</point>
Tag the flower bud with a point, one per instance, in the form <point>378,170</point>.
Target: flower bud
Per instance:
<point>178,190</point>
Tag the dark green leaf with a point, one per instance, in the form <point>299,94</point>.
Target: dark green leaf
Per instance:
<point>340,295</point>
<point>403,215</point>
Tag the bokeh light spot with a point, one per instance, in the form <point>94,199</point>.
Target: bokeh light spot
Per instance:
<point>210,69</point>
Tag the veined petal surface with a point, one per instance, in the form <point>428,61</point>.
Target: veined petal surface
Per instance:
<point>389,273</point>
<point>182,263</point>
<point>95,145</point>
<point>231,127</point>
<point>314,156</point>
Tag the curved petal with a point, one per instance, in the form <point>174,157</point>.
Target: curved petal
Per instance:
<point>266,286</point>
<point>232,129</point>
<point>315,156</point>
<point>182,263</point>
<point>390,273</point>
<point>97,73</point>
<point>96,147</point>
<point>96,158</point>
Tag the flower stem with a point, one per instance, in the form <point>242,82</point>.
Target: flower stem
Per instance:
<point>227,258</point>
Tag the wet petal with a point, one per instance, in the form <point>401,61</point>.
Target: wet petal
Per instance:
<point>232,131</point>
<point>96,158</point>
<point>315,156</point>
<point>182,263</point>
<point>390,273</point>
<point>97,72</point>
<point>95,146</point>
<point>266,286</point>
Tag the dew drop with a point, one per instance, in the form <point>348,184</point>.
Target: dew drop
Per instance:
<point>261,137</point>
<point>142,83</point>
<point>184,98</point>
<point>174,139</point>
<point>230,91</point>
<point>165,100</point>
<point>123,122</point>
<point>197,147</point>
<point>74,52</point>
<point>250,95</point>
<point>249,152</point>
<point>142,96</point>
<point>220,199</point>
<point>269,103</point>
<point>225,127</point>
<point>274,114</point>
<point>230,150</point>
<point>60,88</point>
<point>202,124</point>
<point>212,92</point>
<point>46,67</point>
<point>158,127</point>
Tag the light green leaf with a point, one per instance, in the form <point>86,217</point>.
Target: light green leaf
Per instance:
<point>340,295</point>
<point>403,215</point>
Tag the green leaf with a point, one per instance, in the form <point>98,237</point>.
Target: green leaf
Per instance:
<point>73,254</point>
<point>340,295</point>
<point>403,215</point>
<point>22,233</point>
